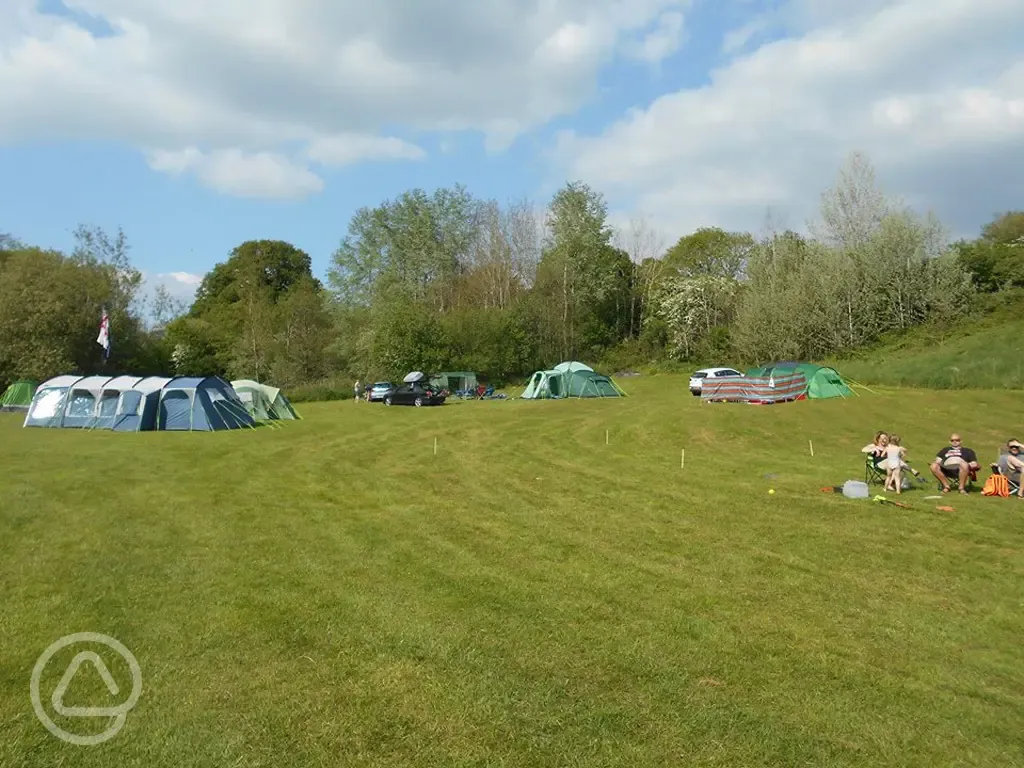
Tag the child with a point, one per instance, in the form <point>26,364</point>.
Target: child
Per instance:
<point>894,454</point>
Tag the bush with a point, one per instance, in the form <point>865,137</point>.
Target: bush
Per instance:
<point>319,392</point>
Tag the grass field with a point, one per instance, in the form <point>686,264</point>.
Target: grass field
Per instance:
<point>983,352</point>
<point>333,594</point>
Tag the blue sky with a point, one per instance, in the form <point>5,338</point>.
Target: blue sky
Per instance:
<point>676,123</point>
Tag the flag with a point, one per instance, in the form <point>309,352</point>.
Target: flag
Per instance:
<point>104,338</point>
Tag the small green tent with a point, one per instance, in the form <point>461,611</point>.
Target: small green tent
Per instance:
<point>454,381</point>
<point>570,379</point>
<point>263,402</point>
<point>822,381</point>
<point>18,396</point>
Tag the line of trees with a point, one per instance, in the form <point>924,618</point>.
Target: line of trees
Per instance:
<point>444,280</point>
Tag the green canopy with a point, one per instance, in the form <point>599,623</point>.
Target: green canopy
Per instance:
<point>822,381</point>
<point>264,402</point>
<point>18,396</point>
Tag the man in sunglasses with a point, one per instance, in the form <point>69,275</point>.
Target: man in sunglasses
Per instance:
<point>1012,463</point>
<point>955,460</point>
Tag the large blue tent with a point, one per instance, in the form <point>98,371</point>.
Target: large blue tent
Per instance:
<point>133,404</point>
<point>200,404</point>
<point>137,407</point>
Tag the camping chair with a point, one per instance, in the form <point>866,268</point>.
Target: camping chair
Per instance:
<point>1012,478</point>
<point>873,475</point>
<point>953,476</point>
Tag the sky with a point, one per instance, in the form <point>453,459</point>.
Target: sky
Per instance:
<point>196,125</point>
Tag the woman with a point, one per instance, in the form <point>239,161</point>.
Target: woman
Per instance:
<point>878,449</point>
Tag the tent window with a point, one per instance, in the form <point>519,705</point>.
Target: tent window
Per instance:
<point>108,404</point>
<point>129,402</point>
<point>81,405</point>
<point>46,404</point>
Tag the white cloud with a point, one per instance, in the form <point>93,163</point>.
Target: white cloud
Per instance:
<point>737,39</point>
<point>184,278</point>
<point>181,286</point>
<point>236,92</point>
<point>345,149</point>
<point>931,90</point>
<point>663,41</point>
<point>233,172</point>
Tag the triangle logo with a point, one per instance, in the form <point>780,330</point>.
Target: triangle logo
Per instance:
<point>58,693</point>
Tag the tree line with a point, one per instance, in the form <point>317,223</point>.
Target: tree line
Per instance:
<point>446,281</point>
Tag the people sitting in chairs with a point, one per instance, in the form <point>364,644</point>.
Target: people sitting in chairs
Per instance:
<point>1011,465</point>
<point>955,462</point>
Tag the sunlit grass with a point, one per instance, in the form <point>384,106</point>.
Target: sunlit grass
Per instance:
<point>332,593</point>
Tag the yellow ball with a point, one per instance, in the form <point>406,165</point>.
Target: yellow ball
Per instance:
<point>771,491</point>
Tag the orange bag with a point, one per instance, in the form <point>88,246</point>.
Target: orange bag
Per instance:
<point>996,485</point>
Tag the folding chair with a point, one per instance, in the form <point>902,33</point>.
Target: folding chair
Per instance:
<point>873,475</point>
<point>953,476</point>
<point>1012,478</point>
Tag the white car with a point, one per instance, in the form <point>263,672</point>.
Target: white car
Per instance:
<point>697,379</point>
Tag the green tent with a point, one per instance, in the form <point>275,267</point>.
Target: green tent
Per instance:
<point>263,402</point>
<point>822,381</point>
<point>454,381</point>
<point>570,379</point>
<point>18,396</point>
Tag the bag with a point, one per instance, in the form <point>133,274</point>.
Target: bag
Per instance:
<point>996,485</point>
<point>855,489</point>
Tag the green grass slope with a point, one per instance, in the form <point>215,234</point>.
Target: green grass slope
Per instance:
<point>985,352</point>
<point>334,593</point>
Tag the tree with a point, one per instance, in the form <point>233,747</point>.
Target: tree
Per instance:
<point>691,308</point>
<point>711,252</point>
<point>993,260</point>
<point>574,267</point>
<point>194,344</point>
<point>644,247</point>
<point>51,304</point>
<point>303,334</point>
<point>853,209</point>
<point>412,247</point>
<point>269,266</point>
<point>1005,229</point>
<point>166,307</point>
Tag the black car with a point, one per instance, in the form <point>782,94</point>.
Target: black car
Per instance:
<point>413,394</point>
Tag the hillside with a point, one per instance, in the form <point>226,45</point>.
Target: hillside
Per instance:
<point>984,352</point>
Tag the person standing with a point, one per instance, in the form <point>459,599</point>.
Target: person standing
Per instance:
<point>894,454</point>
<point>358,391</point>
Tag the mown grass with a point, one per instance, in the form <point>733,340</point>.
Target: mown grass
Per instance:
<point>332,593</point>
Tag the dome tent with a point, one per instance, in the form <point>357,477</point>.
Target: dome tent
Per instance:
<point>822,381</point>
<point>200,404</point>
<point>18,396</point>
<point>570,379</point>
<point>262,401</point>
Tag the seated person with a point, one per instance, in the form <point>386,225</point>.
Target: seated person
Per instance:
<point>877,450</point>
<point>955,460</point>
<point>1011,463</point>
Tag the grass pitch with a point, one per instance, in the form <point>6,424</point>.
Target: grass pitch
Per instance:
<point>334,593</point>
